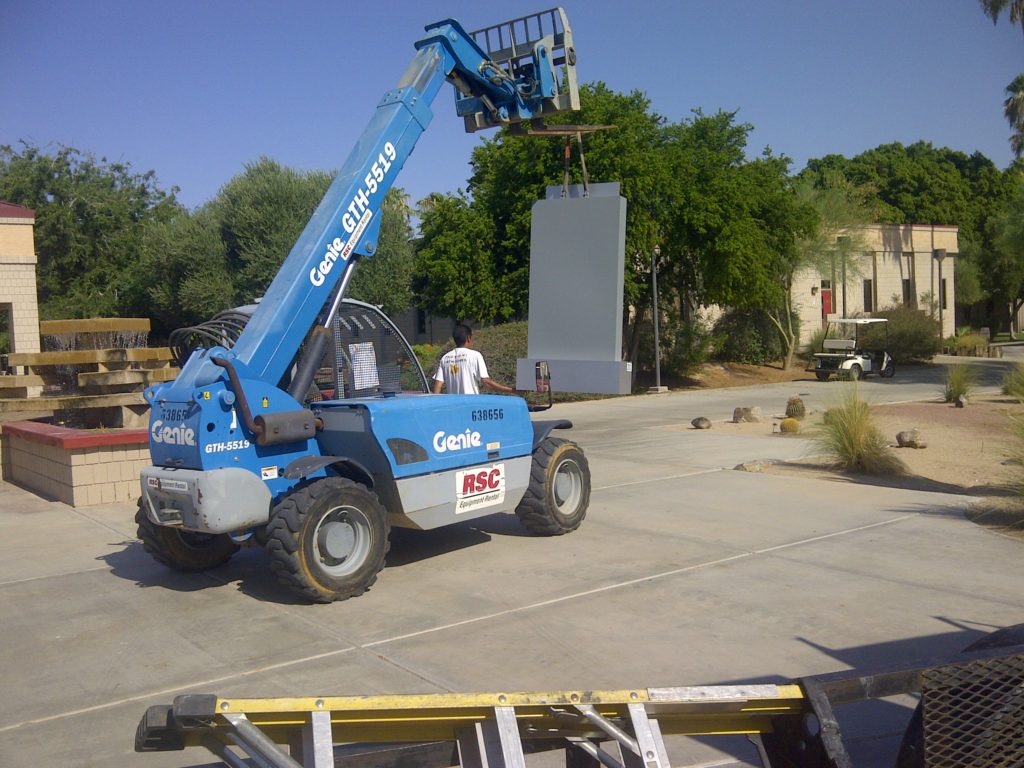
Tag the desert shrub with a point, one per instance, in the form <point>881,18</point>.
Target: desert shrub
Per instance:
<point>960,380</point>
<point>1013,383</point>
<point>849,436</point>
<point>746,336</point>
<point>913,335</point>
<point>795,408</point>
<point>789,426</point>
<point>966,341</point>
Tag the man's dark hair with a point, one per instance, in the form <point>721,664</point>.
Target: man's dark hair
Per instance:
<point>462,334</point>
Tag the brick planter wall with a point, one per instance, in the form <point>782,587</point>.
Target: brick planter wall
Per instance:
<point>76,466</point>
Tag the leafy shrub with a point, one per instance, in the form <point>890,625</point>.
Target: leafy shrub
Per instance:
<point>689,347</point>
<point>746,336</point>
<point>428,355</point>
<point>960,379</point>
<point>849,436</point>
<point>913,335</point>
<point>789,426</point>
<point>501,346</point>
<point>1013,383</point>
<point>795,409</point>
<point>685,346</point>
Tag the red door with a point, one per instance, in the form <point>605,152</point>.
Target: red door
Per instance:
<point>826,302</point>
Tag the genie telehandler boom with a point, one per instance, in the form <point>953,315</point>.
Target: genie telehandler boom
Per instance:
<point>237,454</point>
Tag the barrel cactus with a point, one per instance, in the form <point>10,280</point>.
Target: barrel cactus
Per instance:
<point>795,409</point>
<point>789,426</point>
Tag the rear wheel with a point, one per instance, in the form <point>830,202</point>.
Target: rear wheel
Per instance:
<point>822,375</point>
<point>328,539</point>
<point>888,370</point>
<point>556,501</point>
<point>183,550</point>
<point>854,372</point>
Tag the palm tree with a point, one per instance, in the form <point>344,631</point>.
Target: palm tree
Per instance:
<point>1013,108</point>
<point>993,8</point>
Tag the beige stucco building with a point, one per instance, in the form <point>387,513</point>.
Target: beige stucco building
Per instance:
<point>18,300</point>
<point>897,264</point>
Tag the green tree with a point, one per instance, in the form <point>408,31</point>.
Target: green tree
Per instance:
<point>90,216</point>
<point>386,279</point>
<point>922,184</point>
<point>732,224</point>
<point>968,276</point>
<point>1003,265</point>
<point>511,172</point>
<point>832,237</point>
<point>262,212</point>
<point>1013,108</point>
<point>188,276</point>
<point>455,272</point>
<point>994,9</point>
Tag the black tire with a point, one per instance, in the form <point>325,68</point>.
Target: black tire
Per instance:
<point>822,375</point>
<point>854,372</point>
<point>183,550</point>
<point>556,501</point>
<point>889,370</point>
<point>328,539</point>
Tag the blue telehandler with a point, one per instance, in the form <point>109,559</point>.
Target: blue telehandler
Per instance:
<point>238,453</point>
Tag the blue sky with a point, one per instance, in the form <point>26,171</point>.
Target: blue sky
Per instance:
<point>194,90</point>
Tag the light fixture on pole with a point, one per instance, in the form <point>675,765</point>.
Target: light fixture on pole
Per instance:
<point>655,254</point>
<point>939,254</point>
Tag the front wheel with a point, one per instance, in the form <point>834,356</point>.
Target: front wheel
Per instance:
<point>854,372</point>
<point>888,370</point>
<point>822,375</point>
<point>556,501</point>
<point>183,550</point>
<point>328,539</point>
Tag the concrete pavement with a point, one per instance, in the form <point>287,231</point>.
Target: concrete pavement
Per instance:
<point>685,572</point>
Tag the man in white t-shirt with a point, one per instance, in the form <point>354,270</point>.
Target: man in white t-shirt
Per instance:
<point>462,370</point>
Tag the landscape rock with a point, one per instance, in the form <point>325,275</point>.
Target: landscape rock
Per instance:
<point>961,401</point>
<point>701,423</point>
<point>910,438</point>
<point>752,415</point>
<point>750,466</point>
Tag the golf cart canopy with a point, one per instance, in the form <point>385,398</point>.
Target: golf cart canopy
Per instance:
<point>860,320</point>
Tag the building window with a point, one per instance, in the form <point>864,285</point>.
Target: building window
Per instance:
<point>908,292</point>
<point>942,293</point>
<point>869,295</point>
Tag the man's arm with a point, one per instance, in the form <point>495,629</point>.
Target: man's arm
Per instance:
<point>498,387</point>
<point>437,386</point>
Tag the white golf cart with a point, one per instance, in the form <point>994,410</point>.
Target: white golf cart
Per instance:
<point>854,347</point>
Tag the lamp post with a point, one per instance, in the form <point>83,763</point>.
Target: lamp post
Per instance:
<point>655,254</point>
<point>939,254</point>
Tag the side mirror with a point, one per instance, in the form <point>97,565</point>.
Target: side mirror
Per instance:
<point>543,376</point>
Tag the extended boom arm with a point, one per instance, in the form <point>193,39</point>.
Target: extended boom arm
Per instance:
<point>520,83</point>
